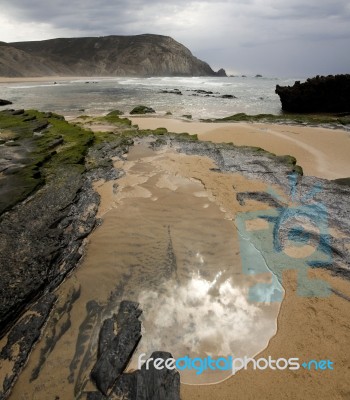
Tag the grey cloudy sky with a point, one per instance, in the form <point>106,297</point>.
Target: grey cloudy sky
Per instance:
<point>296,38</point>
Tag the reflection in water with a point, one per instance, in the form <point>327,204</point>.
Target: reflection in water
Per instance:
<point>167,242</point>
<point>201,318</point>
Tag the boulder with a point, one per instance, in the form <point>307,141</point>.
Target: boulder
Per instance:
<point>151,383</point>
<point>115,350</point>
<point>5,102</point>
<point>175,91</point>
<point>228,96</point>
<point>118,339</point>
<point>319,94</point>
<point>142,110</point>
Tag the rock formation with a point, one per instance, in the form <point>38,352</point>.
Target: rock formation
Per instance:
<point>221,72</point>
<point>142,110</point>
<point>5,102</point>
<point>115,351</point>
<point>141,55</point>
<point>319,94</point>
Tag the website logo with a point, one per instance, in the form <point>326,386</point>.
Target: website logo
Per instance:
<point>200,365</point>
<point>286,238</point>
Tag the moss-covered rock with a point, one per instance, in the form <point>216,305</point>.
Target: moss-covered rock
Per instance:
<point>33,157</point>
<point>304,119</point>
<point>115,113</point>
<point>142,110</point>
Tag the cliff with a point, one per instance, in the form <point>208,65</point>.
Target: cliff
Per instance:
<point>319,94</point>
<point>141,55</point>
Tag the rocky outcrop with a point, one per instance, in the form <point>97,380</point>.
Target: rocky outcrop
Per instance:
<point>5,102</point>
<point>221,73</point>
<point>115,350</point>
<point>174,91</point>
<point>319,94</point>
<point>141,55</point>
<point>114,353</point>
<point>142,110</point>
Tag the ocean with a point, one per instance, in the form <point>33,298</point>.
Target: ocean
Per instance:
<point>95,96</point>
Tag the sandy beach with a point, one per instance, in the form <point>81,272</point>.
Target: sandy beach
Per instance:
<point>321,152</point>
<point>308,328</point>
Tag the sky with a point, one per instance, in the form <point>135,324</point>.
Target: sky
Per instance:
<point>276,38</point>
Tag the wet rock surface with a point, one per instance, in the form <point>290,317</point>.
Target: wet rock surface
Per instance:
<point>330,197</point>
<point>114,352</point>
<point>41,242</point>
<point>21,339</point>
<point>319,94</point>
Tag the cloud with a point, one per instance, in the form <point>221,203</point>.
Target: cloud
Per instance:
<point>220,31</point>
<point>201,317</point>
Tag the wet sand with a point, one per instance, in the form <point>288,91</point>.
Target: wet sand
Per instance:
<point>168,241</point>
<point>321,152</point>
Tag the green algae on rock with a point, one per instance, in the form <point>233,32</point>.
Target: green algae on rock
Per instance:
<point>339,120</point>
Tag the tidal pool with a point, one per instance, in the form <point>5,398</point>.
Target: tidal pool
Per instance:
<point>168,241</point>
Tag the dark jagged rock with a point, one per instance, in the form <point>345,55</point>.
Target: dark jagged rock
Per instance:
<point>151,383</point>
<point>228,96</point>
<point>114,352</point>
<point>221,72</point>
<point>142,110</point>
<point>116,349</point>
<point>39,126</point>
<point>201,91</point>
<point>5,102</point>
<point>175,91</point>
<point>22,338</point>
<point>208,93</point>
<point>319,94</point>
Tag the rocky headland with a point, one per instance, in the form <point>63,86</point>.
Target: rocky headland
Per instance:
<point>320,94</point>
<point>140,55</point>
